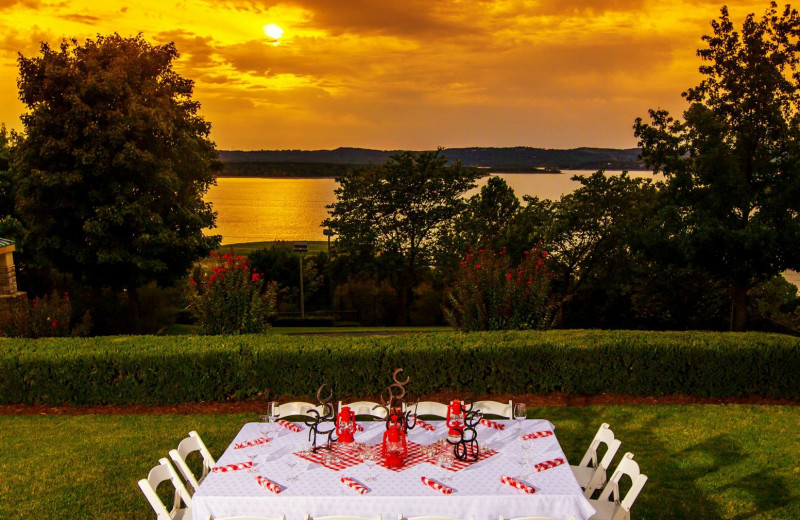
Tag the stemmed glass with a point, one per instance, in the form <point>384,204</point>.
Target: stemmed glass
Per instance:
<point>525,445</point>
<point>251,452</point>
<point>264,427</point>
<point>445,459</point>
<point>370,459</point>
<point>274,414</point>
<point>292,460</point>
<point>520,413</point>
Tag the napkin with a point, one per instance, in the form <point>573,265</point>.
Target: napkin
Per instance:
<point>290,426</point>
<point>232,467</point>
<point>268,484</point>
<point>536,435</point>
<point>517,484</point>
<point>254,442</point>
<point>493,424</point>
<point>441,488</point>
<point>547,464</point>
<point>358,487</point>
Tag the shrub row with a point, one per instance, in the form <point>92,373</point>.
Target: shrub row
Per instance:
<point>166,370</point>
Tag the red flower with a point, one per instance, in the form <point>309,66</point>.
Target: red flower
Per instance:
<point>544,254</point>
<point>477,266</point>
<point>256,277</point>
<point>508,275</point>
<point>55,324</point>
<point>191,281</point>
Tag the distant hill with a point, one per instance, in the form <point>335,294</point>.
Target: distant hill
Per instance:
<point>517,159</point>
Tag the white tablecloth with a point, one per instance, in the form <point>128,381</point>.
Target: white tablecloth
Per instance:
<point>319,492</point>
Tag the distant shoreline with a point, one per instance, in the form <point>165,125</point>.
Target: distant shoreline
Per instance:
<point>263,170</point>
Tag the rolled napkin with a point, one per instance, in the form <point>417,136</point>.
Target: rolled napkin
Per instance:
<point>254,442</point>
<point>358,487</point>
<point>268,484</point>
<point>425,426</point>
<point>493,424</point>
<point>525,488</point>
<point>537,435</point>
<point>548,464</point>
<point>359,428</point>
<point>441,488</point>
<point>232,467</point>
<point>290,425</point>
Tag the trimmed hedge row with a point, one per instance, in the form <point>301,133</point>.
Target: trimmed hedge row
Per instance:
<point>166,370</point>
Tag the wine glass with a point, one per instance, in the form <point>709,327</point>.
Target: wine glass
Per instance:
<point>445,459</point>
<point>292,460</point>
<point>370,459</point>
<point>274,414</point>
<point>520,413</point>
<point>264,426</point>
<point>251,453</point>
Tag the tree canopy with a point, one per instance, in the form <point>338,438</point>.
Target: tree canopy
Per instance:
<point>113,163</point>
<point>393,214</point>
<point>732,165</point>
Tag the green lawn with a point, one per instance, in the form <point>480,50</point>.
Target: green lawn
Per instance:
<point>704,461</point>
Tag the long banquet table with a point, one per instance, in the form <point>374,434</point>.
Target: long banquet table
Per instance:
<point>318,491</point>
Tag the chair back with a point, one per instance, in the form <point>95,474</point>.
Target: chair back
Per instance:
<point>282,517</point>
<point>192,443</point>
<point>627,466</point>
<point>427,408</point>
<point>605,436</point>
<point>504,410</point>
<point>343,517</point>
<point>162,473</point>
<point>370,408</point>
<point>535,518</point>
<point>298,408</point>
<point>401,517</point>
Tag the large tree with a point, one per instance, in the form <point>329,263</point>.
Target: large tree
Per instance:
<point>732,165</point>
<point>113,163</point>
<point>392,214</point>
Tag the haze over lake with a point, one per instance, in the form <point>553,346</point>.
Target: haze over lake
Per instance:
<point>256,209</point>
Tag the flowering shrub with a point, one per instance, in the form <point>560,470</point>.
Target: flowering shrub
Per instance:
<point>232,298</point>
<point>492,294</point>
<point>48,317</point>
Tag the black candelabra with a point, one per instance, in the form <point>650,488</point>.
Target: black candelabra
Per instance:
<point>466,446</point>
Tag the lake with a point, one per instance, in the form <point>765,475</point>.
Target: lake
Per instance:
<point>255,210</point>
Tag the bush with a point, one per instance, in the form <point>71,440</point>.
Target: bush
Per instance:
<point>167,370</point>
<point>48,317</point>
<point>233,299</point>
<point>491,294</point>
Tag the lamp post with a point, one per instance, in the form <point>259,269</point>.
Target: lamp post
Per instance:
<point>328,232</point>
<point>301,247</point>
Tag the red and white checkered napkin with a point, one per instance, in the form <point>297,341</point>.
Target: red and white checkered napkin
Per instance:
<point>290,425</point>
<point>547,464</point>
<point>348,457</point>
<point>537,435</point>
<point>232,467</point>
<point>254,442</point>
<point>525,488</point>
<point>357,486</point>
<point>458,465</point>
<point>438,486</point>
<point>268,484</point>
<point>425,425</point>
<point>493,424</point>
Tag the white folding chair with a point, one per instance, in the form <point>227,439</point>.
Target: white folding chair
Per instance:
<point>590,473</point>
<point>401,517</point>
<point>504,410</point>
<point>162,473</point>
<point>192,443</point>
<point>370,408</point>
<point>608,505</point>
<point>297,408</point>
<point>427,408</point>
<point>343,517</point>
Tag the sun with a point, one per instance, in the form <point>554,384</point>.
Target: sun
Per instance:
<point>273,31</point>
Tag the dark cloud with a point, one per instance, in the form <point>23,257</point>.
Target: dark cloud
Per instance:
<point>82,18</point>
<point>32,4</point>
<point>196,51</point>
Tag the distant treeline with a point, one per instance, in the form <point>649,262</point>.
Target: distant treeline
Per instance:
<point>521,159</point>
<point>309,169</point>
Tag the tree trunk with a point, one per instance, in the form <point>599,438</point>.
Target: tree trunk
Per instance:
<point>739,307</point>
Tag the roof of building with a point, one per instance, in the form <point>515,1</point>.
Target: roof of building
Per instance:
<point>6,242</point>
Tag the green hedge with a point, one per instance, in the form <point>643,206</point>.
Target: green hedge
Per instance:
<point>166,370</point>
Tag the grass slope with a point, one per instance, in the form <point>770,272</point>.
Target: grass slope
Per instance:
<point>704,461</point>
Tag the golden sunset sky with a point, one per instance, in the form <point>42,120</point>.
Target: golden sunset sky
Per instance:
<point>400,74</point>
